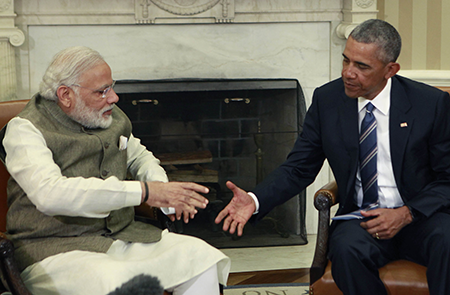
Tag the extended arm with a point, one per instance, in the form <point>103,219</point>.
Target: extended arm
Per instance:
<point>290,178</point>
<point>31,164</point>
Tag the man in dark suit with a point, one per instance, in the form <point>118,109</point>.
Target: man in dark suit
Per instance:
<point>411,154</point>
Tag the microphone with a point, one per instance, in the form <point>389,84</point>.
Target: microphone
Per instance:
<point>140,285</point>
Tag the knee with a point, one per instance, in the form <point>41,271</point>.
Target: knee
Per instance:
<point>439,242</point>
<point>343,249</point>
<point>352,243</point>
<point>437,236</point>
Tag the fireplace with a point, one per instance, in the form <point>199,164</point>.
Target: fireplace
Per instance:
<point>213,130</point>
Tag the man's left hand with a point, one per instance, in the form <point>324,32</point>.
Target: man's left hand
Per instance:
<point>386,223</point>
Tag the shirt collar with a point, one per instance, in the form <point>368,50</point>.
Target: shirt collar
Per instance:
<point>381,102</point>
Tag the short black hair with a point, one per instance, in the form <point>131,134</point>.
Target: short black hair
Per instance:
<point>382,34</point>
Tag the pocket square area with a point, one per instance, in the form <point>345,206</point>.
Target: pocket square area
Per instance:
<point>123,142</point>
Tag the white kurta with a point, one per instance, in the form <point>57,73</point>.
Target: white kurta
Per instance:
<point>173,260</point>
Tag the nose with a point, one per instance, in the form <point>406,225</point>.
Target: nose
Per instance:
<point>112,97</point>
<point>348,72</point>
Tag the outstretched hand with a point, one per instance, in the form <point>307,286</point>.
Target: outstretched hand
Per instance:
<point>183,196</point>
<point>238,211</point>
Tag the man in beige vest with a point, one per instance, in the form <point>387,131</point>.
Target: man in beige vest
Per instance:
<point>71,213</point>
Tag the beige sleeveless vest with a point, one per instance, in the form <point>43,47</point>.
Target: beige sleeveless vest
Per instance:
<point>78,152</point>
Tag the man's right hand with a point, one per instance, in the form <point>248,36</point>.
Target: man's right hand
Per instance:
<point>238,211</point>
<point>183,196</point>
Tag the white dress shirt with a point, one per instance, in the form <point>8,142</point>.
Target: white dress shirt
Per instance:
<point>31,164</point>
<point>389,196</point>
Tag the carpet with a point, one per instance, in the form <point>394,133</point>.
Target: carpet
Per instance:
<point>268,289</point>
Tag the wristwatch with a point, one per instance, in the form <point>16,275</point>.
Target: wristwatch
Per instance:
<point>413,213</point>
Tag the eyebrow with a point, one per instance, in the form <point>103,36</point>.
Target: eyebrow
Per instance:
<point>104,86</point>
<point>357,62</point>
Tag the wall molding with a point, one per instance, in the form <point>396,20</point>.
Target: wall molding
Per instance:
<point>10,37</point>
<point>431,77</point>
<point>219,11</point>
<point>354,13</point>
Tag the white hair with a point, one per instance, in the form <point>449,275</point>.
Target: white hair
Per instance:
<point>66,69</point>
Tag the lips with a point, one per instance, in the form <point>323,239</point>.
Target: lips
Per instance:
<point>350,85</point>
<point>108,112</point>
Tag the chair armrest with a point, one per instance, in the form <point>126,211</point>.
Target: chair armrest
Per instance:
<point>155,216</point>
<point>329,190</point>
<point>147,211</point>
<point>10,274</point>
<point>324,198</point>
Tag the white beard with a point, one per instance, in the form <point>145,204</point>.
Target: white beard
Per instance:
<point>89,117</point>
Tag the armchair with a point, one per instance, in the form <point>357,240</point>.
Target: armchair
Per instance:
<point>9,273</point>
<point>399,277</point>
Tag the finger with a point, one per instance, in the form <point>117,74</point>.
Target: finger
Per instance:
<point>370,226</point>
<point>226,223</point>
<point>186,216</point>
<point>370,213</point>
<point>240,229</point>
<point>195,200</point>
<point>184,212</point>
<point>372,229</point>
<point>231,186</point>
<point>233,225</point>
<point>195,187</point>
<point>221,215</point>
<point>373,232</point>
<point>171,217</point>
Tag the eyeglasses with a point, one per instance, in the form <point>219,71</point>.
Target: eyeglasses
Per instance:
<point>103,92</point>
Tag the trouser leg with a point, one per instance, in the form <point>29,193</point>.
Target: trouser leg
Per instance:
<point>356,257</point>
<point>428,243</point>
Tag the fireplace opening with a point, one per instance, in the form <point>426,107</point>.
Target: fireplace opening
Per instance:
<point>213,130</point>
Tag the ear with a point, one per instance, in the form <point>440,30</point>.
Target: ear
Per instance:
<point>392,69</point>
<point>65,96</point>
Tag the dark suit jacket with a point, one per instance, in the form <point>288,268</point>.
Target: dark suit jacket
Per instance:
<point>420,152</point>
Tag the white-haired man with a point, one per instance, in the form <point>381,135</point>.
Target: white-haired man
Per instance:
<point>71,209</point>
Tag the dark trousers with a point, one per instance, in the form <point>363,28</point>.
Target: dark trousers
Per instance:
<point>356,255</point>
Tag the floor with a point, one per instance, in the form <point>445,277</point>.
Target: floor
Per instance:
<point>285,264</point>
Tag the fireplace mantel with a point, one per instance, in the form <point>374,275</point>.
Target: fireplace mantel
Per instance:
<point>17,17</point>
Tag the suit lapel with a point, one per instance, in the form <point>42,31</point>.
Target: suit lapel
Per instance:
<point>400,126</point>
<point>348,112</point>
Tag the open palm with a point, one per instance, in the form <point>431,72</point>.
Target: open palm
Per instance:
<point>236,214</point>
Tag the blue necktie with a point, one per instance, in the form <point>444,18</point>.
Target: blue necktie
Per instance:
<point>368,157</point>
